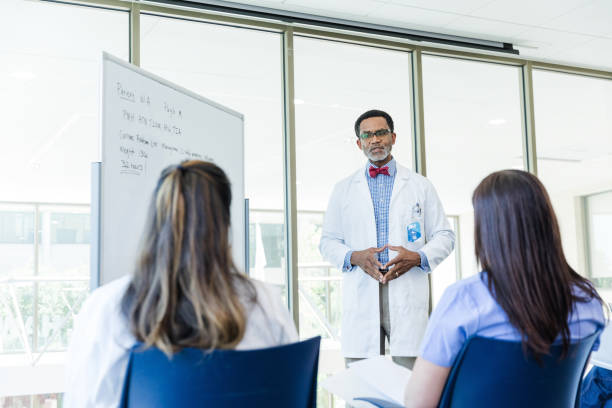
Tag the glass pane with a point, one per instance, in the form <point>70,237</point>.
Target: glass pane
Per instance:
<point>599,224</point>
<point>50,96</point>
<point>38,400</point>
<point>334,84</point>
<point>266,247</point>
<point>16,240</point>
<point>58,304</point>
<point>574,147</point>
<point>239,68</point>
<point>320,284</point>
<point>447,271</point>
<point>50,57</point>
<point>472,128</point>
<point>16,317</point>
<point>64,241</point>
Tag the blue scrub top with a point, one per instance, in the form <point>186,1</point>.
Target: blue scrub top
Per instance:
<point>467,308</point>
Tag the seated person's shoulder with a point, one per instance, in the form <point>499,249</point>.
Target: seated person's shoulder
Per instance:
<point>463,302</point>
<point>269,322</point>
<point>268,296</point>
<point>104,297</point>
<point>101,323</point>
<point>473,286</point>
<point>588,307</point>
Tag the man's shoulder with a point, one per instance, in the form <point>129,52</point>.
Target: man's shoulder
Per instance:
<point>351,177</point>
<point>407,172</point>
<point>415,179</point>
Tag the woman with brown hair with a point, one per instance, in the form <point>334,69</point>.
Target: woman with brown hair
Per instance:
<point>185,291</point>
<point>526,291</point>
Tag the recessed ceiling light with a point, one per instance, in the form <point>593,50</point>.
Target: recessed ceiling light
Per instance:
<point>497,122</point>
<point>23,75</point>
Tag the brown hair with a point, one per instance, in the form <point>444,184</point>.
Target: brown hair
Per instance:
<point>186,290</point>
<point>518,245</point>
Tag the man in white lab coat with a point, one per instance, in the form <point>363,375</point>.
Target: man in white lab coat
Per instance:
<point>385,228</point>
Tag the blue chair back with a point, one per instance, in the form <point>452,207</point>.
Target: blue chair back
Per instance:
<point>284,376</point>
<point>496,373</point>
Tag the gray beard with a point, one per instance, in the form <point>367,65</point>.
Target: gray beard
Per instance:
<point>378,156</point>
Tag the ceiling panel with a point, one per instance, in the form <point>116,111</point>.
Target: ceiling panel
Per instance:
<point>412,16</point>
<point>485,28</point>
<point>346,7</point>
<point>448,6</point>
<point>546,42</point>
<point>528,12</point>
<point>594,18</point>
<point>597,53</point>
<point>263,3</point>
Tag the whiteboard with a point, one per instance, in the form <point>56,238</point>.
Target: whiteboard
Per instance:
<point>147,124</point>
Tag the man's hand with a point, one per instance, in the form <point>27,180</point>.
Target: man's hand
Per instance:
<point>399,265</point>
<point>368,261</point>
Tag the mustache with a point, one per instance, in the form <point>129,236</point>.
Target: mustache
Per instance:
<point>377,147</point>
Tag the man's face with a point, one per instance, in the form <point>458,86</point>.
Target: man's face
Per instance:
<point>376,148</point>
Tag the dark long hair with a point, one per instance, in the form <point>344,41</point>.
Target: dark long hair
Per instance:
<point>518,244</point>
<point>186,290</point>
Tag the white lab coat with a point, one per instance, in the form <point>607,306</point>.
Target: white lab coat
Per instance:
<point>350,225</point>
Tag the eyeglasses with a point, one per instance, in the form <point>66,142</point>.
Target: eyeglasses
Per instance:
<point>377,133</point>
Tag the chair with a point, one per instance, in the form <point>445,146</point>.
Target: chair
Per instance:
<point>489,372</point>
<point>284,376</point>
<point>495,373</point>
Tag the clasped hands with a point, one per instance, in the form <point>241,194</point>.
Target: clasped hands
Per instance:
<point>368,261</point>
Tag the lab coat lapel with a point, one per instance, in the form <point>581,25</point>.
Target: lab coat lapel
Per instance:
<point>401,179</point>
<point>361,187</point>
<point>363,197</point>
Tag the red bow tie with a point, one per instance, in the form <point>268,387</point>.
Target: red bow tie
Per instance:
<point>380,170</point>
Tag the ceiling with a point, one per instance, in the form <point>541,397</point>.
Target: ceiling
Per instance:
<point>574,32</point>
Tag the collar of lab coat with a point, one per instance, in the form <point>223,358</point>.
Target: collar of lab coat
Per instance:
<point>402,174</point>
<point>361,184</point>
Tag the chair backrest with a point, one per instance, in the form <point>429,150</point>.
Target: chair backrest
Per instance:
<point>496,373</point>
<point>284,376</point>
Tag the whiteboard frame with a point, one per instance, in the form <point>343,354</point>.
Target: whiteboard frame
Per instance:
<point>96,237</point>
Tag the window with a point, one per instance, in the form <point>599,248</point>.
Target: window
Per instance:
<point>574,150</point>
<point>448,271</point>
<point>241,69</point>
<point>69,228</point>
<point>49,77</point>
<point>335,83</point>
<point>472,128</point>
<point>599,238</point>
<point>16,227</point>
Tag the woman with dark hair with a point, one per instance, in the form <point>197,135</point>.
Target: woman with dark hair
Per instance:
<point>526,291</point>
<point>185,291</point>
